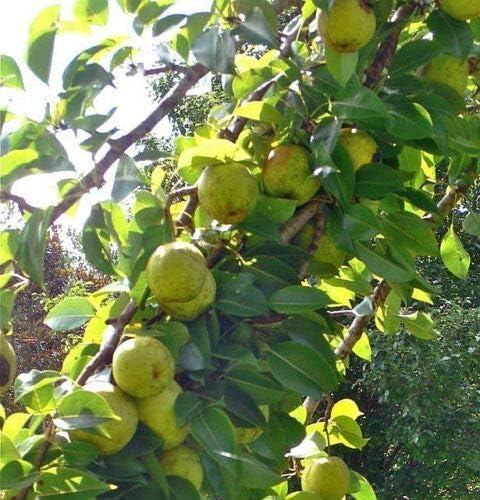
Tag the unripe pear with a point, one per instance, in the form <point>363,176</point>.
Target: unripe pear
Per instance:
<point>119,431</point>
<point>447,70</point>
<point>359,145</point>
<point>461,9</point>
<point>328,477</point>
<point>176,272</point>
<point>302,495</point>
<point>158,413</point>
<point>227,192</point>
<point>348,25</point>
<point>185,463</point>
<point>142,366</point>
<point>8,364</point>
<point>188,311</point>
<point>287,174</point>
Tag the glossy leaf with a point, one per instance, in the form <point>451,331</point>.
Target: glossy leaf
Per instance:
<point>70,313</point>
<point>454,36</point>
<point>454,255</point>
<point>419,324</point>
<point>214,430</point>
<point>293,299</point>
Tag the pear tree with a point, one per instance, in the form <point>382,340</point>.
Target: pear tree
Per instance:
<point>211,365</point>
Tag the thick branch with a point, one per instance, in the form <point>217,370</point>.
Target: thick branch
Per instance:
<point>96,177</point>
<point>298,221</point>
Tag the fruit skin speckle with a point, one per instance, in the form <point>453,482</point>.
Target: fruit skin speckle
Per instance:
<point>447,70</point>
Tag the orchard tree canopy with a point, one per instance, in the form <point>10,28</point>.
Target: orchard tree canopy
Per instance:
<point>210,363</point>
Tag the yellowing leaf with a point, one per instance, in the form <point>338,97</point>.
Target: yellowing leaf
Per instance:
<point>454,255</point>
<point>346,407</point>
<point>299,414</point>
<point>420,325</point>
<point>422,296</point>
<point>362,348</point>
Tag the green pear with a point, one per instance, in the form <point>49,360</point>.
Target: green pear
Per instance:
<point>188,311</point>
<point>327,258</point>
<point>461,9</point>
<point>142,367</point>
<point>183,462</point>
<point>359,145</point>
<point>447,70</point>
<point>287,174</point>
<point>227,192</point>
<point>158,413</point>
<point>8,364</point>
<point>119,431</point>
<point>348,25</point>
<point>302,495</point>
<point>176,272</point>
<point>328,477</point>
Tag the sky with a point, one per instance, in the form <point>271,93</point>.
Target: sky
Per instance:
<point>130,95</point>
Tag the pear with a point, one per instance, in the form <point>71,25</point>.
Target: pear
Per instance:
<point>359,145</point>
<point>302,495</point>
<point>328,477</point>
<point>119,431</point>
<point>461,9</point>
<point>327,257</point>
<point>183,462</point>
<point>447,70</point>
<point>8,364</point>
<point>227,192</point>
<point>158,413</point>
<point>188,311</point>
<point>176,272</point>
<point>348,25</point>
<point>287,174</point>
<point>142,366</point>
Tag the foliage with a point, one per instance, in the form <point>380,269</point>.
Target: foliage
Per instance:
<point>276,333</point>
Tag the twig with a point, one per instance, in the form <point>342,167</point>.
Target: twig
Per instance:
<point>96,177</point>
<point>341,313</point>
<point>387,48</point>
<point>22,204</point>
<point>169,68</point>
<point>298,221</point>
<point>186,218</point>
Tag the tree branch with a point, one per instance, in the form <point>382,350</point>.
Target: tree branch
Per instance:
<point>96,177</point>
<point>22,204</point>
<point>318,230</point>
<point>298,221</point>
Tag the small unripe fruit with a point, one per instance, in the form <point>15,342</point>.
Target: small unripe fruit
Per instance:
<point>8,364</point>
<point>360,146</point>
<point>287,174</point>
<point>447,70</point>
<point>227,192</point>
<point>142,367</point>
<point>348,25</point>
<point>328,477</point>
<point>119,431</point>
<point>461,9</point>
<point>158,413</point>
<point>183,462</point>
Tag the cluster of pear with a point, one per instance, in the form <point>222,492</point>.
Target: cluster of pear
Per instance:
<point>8,364</point>
<point>145,391</point>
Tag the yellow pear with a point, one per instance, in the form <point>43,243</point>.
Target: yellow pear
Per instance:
<point>142,366</point>
<point>158,413</point>
<point>183,462</point>
<point>227,192</point>
<point>447,70</point>
<point>327,255</point>
<point>176,272</point>
<point>348,25</point>
<point>359,145</point>
<point>328,477</point>
<point>119,431</point>
<point>188,311</point>
<point>8,364</point>
<point>461,9</point>
<point>287,174</point>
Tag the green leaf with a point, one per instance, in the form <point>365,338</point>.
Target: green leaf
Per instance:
<point>17,474</point>
<point>35,389</point>
<point>454,255</point>
<point>412,55</point>
<point>9,452</point>
<point>419,324</point>
<point>214,431</point>
<point>9,240</point>
<point>360,222</point>
<point>471,224</point>
<point>346,407</point>
<point>362,348</point>
<point>348,432</point>
<point>41,40</point>
<point>411,231</point>
<point>260,111</point>
<point>258,224</point>
<point>7,299</point>
<point>127,178</point>
<point>239,298</point>
<point>256,29</point>
<point>31,248</point>
<point>294,299</point>
<point>181,489</point>
<point>15,159</point>
<point>91,11</point>
<point>376,180</point>
<point>70,313</point>
<point>381,266</point>
<point>10,75</point>
<point>301,369</point>
<point>66,482</point>
<point>166,23</point>
<point>79,453</point>
<point>454,36</point>
<point>341,65</point>
<point>215,50</point>
<point>360,488</point>
<point>361,105</point>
